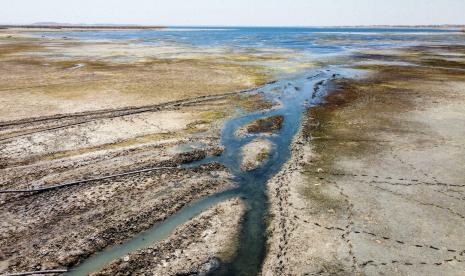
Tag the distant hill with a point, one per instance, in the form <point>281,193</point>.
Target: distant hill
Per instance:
<point>50,24</point>
<point>56,25</point>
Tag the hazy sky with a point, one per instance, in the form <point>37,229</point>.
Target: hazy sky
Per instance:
<point>235,12</point>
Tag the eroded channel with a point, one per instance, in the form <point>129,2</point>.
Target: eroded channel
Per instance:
<point>292,97</point>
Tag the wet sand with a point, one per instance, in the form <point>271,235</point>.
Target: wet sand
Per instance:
<point>376,182</point>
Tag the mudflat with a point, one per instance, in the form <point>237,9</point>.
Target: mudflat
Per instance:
<point>93,146</point>
<point>376,182</point>
<point>163,154</point>
<point>49,76</point>
<point>215,234</point>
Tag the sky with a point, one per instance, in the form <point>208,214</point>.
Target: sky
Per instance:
<point>235,12</point>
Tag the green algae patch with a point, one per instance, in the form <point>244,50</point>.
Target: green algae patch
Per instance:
<point>9,48</point>
<point>334,128</point>
<point>436,62</point>
<point>212,115</point>
<point>92,75</point>
<point>198,126</point>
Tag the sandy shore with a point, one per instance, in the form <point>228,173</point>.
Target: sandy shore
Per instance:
<point>375,185</point>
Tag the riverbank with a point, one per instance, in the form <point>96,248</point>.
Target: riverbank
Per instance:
<point>375,184</point>
<point>197,247</point>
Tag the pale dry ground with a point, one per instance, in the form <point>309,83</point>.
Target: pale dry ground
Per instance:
<point>60,228</point>
<point>104,145</point>
<point>195,247</point>
<point>44,76</point>
<point>38,77</point>
<point>376,184</point>
<point>98,132</point>
<point>255,153</point>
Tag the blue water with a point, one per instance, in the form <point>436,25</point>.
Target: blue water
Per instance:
<point>295,93</point>
<point>313,40</point>
<point>252,185</point>
<point>294,96</point>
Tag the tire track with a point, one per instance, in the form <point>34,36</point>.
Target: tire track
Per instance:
<point>74,183</point>
<point>86,117</point>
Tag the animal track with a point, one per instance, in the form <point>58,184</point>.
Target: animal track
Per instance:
<point>406,243</point>
<point>372,180</point>
<point>387,179</point>
<point>348,227</point>
<point>396,262</point>
<point>414,168</point>
<point>450,210</point>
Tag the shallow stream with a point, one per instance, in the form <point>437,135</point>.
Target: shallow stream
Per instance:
<point>298,49</point>
<point>291,97</point>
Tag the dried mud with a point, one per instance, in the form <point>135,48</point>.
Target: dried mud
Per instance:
<point>375,184</point>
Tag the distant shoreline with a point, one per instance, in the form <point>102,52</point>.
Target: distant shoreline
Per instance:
<point>136,27</point>
<point>82,27</point>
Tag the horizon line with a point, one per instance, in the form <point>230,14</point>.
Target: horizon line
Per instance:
<point>134,25</point>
